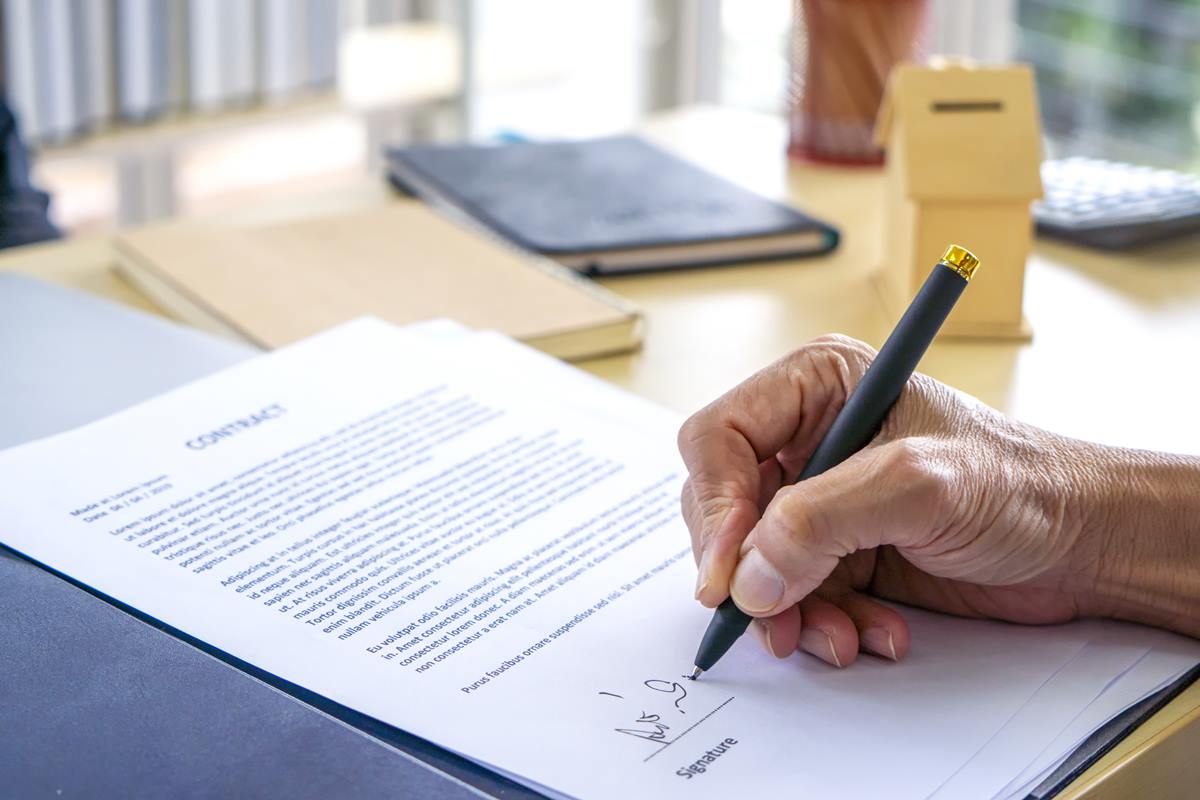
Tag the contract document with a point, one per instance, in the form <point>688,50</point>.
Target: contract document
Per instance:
<point>482,546</point>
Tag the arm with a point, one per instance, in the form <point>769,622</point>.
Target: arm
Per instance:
<point>1146,520</point>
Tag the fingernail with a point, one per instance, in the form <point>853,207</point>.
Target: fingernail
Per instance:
<point>703,579</point>
<point>767,635</point>
<point>814,640</point>
<point>757,587</point>
<point>880,642</point>
<point>833,650</point>
<point>762,632</point>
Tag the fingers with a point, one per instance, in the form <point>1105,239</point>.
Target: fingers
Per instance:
<point>894,493</point>
<point>779,634</point>
<point>879,629</point>
<point>719,556</point>
<point>829,633</point>
<point>777,415</point>
<point>770,479</point>
<point>835,630</point>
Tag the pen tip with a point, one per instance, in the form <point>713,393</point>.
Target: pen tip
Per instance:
<point>696,673</point>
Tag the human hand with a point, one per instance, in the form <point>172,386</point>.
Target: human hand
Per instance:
<point>953,507</point>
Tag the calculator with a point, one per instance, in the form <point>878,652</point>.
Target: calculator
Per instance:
<point>1115,206</point>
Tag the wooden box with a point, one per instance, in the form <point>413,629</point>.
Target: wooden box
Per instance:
<point>963,165</point>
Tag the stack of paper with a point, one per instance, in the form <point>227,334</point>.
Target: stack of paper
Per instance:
<point>478,544</point>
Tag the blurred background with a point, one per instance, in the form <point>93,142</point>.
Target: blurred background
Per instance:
<point>141,109</point>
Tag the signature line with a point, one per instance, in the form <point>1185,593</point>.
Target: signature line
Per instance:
<point>686,731</point>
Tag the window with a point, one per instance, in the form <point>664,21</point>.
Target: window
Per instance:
<point>1116,79</point>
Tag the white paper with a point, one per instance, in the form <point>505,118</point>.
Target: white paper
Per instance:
<point>1111,651</point>
<point>515,531</point>
<point>1168,659</point>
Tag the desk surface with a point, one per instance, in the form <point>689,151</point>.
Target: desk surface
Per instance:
<point>1111,337</point>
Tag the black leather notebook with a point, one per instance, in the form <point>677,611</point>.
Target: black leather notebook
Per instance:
<point>610,205</point>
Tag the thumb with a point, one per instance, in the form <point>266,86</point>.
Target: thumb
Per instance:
<point>887,494</point>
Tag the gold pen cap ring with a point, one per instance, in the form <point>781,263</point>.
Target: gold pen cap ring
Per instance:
<point>961,260</point>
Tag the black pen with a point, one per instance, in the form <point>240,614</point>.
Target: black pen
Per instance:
<point>859,420</point>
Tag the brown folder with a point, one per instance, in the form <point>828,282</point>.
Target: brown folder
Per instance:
<point>276,284</point>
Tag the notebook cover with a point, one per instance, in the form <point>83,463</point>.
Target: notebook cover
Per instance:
<point>99,700</point>
<point>609,194</point>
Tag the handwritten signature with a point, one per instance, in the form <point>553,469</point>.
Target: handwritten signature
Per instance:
<point>650,725</point>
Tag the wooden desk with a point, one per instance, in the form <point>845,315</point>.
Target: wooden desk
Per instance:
<point>1113,340</point>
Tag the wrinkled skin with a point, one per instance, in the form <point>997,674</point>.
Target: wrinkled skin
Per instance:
<point>953,507</point>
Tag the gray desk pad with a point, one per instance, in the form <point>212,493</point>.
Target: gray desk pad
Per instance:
<point>97,700</point>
